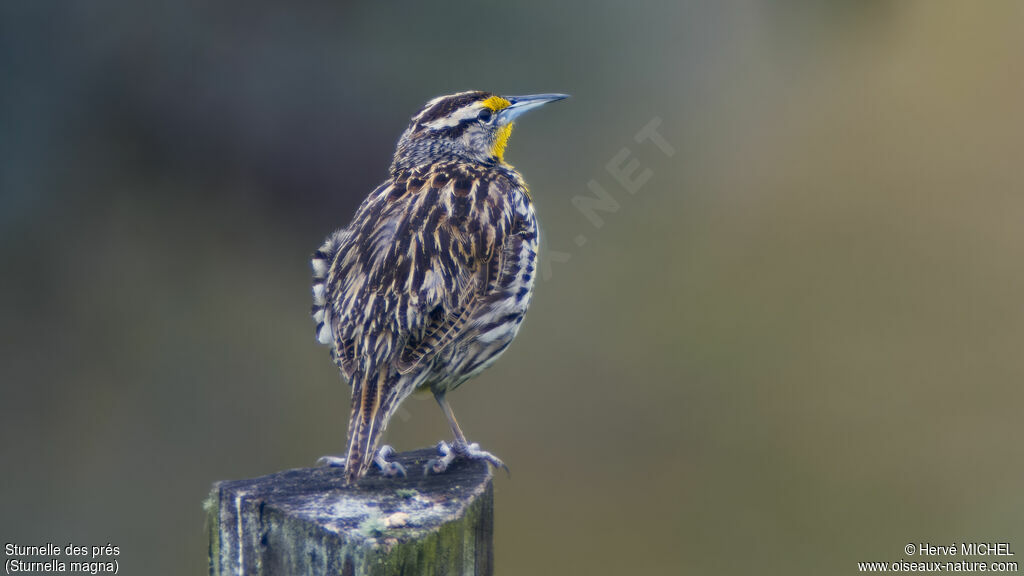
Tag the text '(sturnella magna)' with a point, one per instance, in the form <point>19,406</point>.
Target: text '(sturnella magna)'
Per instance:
<point>429,283</point>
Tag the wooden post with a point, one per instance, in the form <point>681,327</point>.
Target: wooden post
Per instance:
<point>306,521</point>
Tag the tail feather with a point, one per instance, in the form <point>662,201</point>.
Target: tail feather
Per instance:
<point>321,262</point>
<point>371,402</point>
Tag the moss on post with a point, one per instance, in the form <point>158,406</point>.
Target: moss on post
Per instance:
<point>306,521</point>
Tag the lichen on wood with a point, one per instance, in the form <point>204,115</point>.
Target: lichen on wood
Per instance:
<point>307,521</point>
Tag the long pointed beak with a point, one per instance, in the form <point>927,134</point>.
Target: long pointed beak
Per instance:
<point>521,104</point>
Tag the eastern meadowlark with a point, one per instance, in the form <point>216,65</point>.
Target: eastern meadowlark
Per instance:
<point>429,283</point>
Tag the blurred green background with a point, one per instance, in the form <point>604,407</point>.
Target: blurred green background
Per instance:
<point>798,346</point>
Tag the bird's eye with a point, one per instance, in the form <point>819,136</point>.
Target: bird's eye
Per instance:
<point>485,115</point>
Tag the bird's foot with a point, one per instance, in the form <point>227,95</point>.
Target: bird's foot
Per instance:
<point>331,461</point>
<point>387,467</point>
<point>449,452</point>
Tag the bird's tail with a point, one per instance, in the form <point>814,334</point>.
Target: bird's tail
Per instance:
<point>372,401</point>
<point>321,263</point>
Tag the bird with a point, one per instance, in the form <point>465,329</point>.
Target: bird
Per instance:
<point>430,281</point>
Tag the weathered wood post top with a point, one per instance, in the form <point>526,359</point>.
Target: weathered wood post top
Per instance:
<point>306,521</point>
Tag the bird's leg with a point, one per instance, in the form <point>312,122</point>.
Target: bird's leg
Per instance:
<point>387,467</point>
<point>460,448</point>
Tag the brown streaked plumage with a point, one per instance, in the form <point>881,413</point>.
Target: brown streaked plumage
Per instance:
<point>430,282</point>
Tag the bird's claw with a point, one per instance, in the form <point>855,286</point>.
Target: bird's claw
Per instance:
<point>439,465</point>
<point>388,468</point>
<point>331,461</point>
<point>458,450</point>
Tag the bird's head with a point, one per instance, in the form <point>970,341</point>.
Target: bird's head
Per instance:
<point>469,126</point>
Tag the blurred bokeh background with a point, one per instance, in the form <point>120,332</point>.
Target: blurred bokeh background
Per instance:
<point>799,345</point>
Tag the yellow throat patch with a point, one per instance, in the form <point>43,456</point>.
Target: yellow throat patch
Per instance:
<point>498,151</point>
